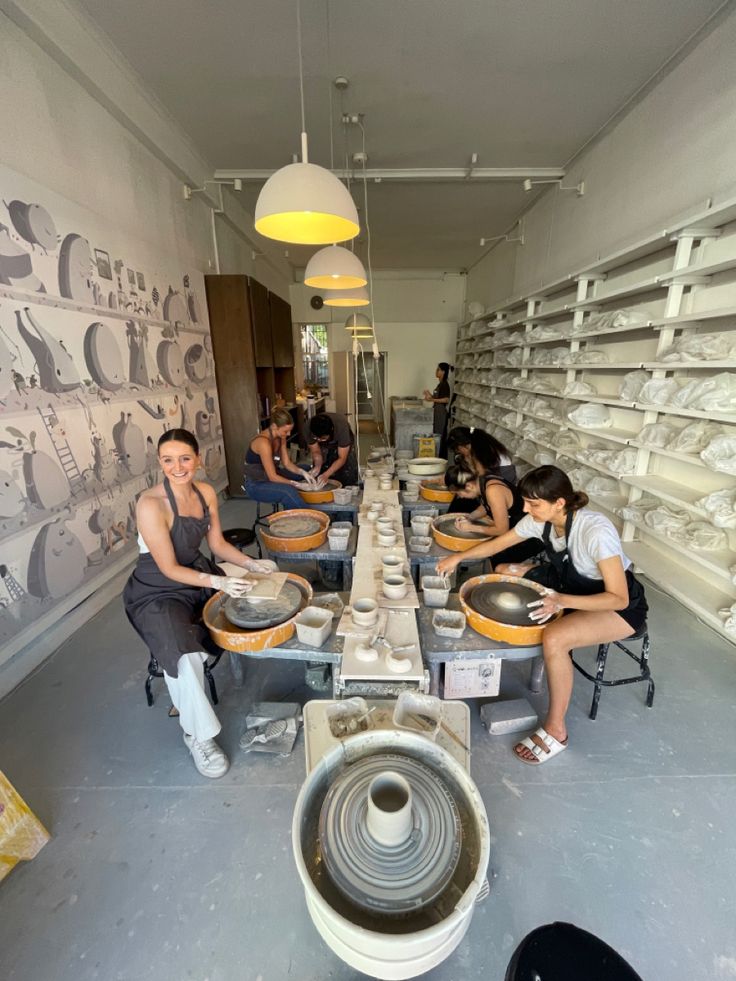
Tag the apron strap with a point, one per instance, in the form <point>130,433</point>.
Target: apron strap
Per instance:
<point>170,495</point>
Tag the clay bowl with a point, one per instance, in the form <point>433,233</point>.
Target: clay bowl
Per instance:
<point>277,544</point>
<point>506,632</point>
<point>435,490</point>
<point>443,533</point>
<point>232,638</point>
<point>322,496</point>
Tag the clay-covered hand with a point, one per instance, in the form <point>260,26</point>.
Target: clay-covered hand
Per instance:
<point>231,585</point>
<point>264,566</point>
<point>464,524</point>
<point>545,608</point>
<point>447,565</point>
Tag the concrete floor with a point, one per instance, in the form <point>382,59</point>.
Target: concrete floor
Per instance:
<point>155,872</point>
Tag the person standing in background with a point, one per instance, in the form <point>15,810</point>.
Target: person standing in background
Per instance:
<point>440,398</point>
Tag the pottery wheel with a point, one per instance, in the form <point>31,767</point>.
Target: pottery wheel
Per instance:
<point>297,526</point>
<point>446,525</point>
<point>330,485</point>
<point>262,613</point>
<point>376,877</point>
<point>491,599</point>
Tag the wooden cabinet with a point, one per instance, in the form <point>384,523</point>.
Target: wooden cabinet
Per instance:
<point>250,328</point>
<point>282,332</point>
<point>643,342</point>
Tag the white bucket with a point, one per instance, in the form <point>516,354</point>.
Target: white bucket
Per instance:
<point>394,955</point>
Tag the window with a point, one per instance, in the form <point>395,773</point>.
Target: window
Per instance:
<point>314,354</point>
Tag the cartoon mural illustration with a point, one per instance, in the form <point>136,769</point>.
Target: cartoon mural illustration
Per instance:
<point>93,368</point>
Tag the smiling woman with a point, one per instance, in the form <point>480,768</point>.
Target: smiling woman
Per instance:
<point>173,580</point>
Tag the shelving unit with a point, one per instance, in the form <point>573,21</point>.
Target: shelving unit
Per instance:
<point>634,304</point>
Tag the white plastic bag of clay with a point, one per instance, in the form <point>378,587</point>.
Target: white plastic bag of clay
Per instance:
<point>632,384</point>
<point>695,437</point>
<point>658,391</point>
<point>601,486</point>
<point>657,434</point>
<point>701,347</point>
<point>720,454</point>
<point>721,506</point>
<point>729,618</point>
<point>579,388</point>
<point>665,519</point>
<point>637,509</point>
<point>588,356</point>
<point>623,462</point>
<point>591,415</point>
<point>700,535</point>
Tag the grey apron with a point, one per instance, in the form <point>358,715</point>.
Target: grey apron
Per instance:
<point>168,614</point>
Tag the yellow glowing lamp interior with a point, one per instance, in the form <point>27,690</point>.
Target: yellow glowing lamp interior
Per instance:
<point>307,228</point>
<point>335,282</point>
<point>346,301</point>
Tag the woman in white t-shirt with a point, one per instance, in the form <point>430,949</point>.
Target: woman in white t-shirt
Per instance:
<point>586,572</point>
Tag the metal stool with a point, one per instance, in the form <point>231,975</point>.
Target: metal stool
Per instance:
<point>260,518</point>
<point>154,671</point>
<point>642,659</point>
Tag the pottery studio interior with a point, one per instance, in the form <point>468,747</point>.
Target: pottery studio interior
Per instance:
<point>367,444</point>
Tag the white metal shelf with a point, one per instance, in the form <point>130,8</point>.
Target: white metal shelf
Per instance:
<point>693,318</point>
<point>679,581</point>
<point>674,410</point>
<point>669,491</point>
<point>717,563</point>
<point>701,269</point>
<point>648,285</point>
<point>686,365</point>
<point>688,458</point>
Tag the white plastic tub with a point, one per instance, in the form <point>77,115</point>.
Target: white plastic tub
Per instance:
<point>338,539</point>
<point>436,590</point>
<point>313,625</point>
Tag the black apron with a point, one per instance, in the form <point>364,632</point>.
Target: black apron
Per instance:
<point>168,614</point>
<point>349,473</point>
<point>560,574</point>
<point>523,551</point>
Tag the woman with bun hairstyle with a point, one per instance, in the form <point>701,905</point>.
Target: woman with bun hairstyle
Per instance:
<point>270,475</point>
<point>477,450</point>
<point>172,581</point>
<point>498,507</point>
<point>587,574</point>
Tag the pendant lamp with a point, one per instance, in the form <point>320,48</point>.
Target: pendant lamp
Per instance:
<point>335,268</point>
<point>358,321</point>
<point>303,203</point>
<point>347,298</point>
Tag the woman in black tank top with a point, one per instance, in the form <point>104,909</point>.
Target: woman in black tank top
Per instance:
<point>501,506</point>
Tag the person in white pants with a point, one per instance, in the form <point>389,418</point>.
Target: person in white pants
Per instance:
<point>173,580</point>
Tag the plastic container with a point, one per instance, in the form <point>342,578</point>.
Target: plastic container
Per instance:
<point>313,626</point>
<point>348,717</point>
<point>420,543</point>
<point>342,495</point>
<point>416,712</point>
<point>449,623</point>
<point>420,526</point>
<point>338,539</point>
<point>342,526</point>
<point>331,602</point>
<point>436,590</point>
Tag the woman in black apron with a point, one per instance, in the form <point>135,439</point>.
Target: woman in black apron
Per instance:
<point>269,474</point>
<point>477,450</point>
<point>173,580</point>
<point>499,507</point>
<point>586,574</point>
<point>440,399</point>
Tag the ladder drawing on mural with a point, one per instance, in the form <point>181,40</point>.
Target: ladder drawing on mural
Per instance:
<point>14,588</point>
<point>63,449</point>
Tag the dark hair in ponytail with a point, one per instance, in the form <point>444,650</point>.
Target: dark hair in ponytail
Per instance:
<point>487,450</point>
<point>446,369</point>
<point>550,484</point>
<point>457,437</point>
<point>180,436</point>
<point>458,476</point>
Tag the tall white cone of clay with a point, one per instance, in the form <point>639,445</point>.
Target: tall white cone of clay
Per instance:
<point>389,817</point>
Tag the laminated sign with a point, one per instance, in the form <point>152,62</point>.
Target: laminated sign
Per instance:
<point>470,679</point>
<point>22,836</point>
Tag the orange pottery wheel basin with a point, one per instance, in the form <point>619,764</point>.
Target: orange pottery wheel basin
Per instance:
<point>442,530</point>
<point>432,490</point>
<point>521,636</point>
<point>276,543</point>
<point>232,638</point>
<point>323,496</point>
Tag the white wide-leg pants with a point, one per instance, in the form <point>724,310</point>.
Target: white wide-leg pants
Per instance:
<point>196,716</point>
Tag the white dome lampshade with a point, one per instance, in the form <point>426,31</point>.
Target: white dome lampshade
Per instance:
<point>358,321</point>
<point>347,298</point>
<point>335,268</point>
<point>306,205</point>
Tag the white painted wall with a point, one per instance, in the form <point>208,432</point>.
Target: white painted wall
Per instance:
<point>60,129</point>
<point>667,156</point>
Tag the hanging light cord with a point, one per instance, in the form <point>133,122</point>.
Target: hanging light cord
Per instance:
<point>329,70</point>
<point>301,77</point>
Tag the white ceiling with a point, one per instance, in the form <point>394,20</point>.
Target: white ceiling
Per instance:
<point>523,83</point>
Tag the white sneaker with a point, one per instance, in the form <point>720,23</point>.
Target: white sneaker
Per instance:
<point>208,758</point>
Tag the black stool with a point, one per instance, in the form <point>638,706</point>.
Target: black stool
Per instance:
<point>239,537</point>
<point>154,671</point>
<point>642,659</point>
<point>564,952</point>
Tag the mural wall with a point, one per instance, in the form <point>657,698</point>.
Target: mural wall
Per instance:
<point>104,345</point>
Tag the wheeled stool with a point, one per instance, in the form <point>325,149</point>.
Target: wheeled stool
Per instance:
<point>642,659</point>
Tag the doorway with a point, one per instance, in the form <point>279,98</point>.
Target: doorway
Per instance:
<point>371,387</point>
